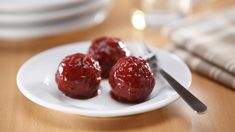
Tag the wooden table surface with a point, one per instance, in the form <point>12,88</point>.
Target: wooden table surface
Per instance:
<point>17,113</point>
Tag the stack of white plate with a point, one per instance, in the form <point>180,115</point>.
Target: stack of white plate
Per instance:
<point>39,18</point>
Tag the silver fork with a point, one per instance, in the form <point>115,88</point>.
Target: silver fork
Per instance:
<point>188,97</point>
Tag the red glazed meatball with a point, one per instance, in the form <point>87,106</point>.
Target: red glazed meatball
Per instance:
<point>78,76</point>
<point>131,80</point>
<point>107,50</point>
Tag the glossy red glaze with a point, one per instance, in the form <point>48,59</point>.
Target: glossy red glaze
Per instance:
<point>78,76</point>
<point>107,50</point>
<point>131,80</point>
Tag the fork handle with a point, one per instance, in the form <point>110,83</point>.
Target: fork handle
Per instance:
<point>189,98</point>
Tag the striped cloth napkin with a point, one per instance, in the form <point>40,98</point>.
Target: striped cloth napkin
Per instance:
<point>207,45</point>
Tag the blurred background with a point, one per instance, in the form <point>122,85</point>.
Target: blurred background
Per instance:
<point>36,23</point>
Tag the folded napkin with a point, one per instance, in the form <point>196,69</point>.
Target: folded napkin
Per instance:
<point>207,45</point>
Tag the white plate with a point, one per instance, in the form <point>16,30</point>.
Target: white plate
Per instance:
<point>19,19</point>
<point>35,80</point>
<point>76,23</point>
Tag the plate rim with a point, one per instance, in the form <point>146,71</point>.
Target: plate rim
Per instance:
<point>109,113</point>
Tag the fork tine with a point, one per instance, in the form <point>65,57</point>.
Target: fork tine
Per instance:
<point>146,47</point>
<point>150,57</point>
<point>147,53</point>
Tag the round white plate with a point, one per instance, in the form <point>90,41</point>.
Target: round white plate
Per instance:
<point>19,19</point>
<point>35,80</point>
